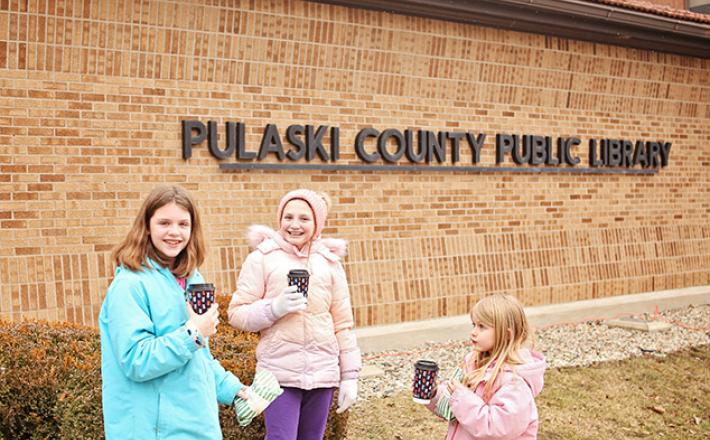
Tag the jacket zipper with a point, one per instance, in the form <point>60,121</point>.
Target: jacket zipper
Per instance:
<point>305,342</point>
<point>305,339</point>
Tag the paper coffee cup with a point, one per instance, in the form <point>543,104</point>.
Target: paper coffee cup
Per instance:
<point>200,297</point>
<point>299,278</point>
<point>424,384</point>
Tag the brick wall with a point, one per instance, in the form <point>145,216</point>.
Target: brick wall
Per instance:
<point>92,94</point>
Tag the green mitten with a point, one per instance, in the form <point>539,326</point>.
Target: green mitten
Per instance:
<point>442,406</point>
<point>263,390</point>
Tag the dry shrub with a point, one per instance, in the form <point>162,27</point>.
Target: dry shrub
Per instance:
<point>50,380</point>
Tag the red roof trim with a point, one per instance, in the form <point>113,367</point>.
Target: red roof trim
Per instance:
<point>656,9</point>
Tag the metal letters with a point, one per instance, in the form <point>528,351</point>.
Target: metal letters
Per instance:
<point>422,149</point>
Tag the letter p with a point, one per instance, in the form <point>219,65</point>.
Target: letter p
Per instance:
<point>188,140</point>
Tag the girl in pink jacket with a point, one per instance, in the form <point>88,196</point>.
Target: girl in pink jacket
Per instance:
<point>501,378</point>
<point>307,342</point>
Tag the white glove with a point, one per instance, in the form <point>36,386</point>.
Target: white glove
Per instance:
<point>347,395</point>
<point>288,302</point>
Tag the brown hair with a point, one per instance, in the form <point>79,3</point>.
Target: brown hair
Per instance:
<point>135,249</point>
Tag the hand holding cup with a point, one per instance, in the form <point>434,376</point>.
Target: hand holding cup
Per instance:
<point>290,300</point>
<point>206,323</point>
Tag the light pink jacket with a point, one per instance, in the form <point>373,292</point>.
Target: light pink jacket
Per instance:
<point>509,414</point>
<point>315,348</point>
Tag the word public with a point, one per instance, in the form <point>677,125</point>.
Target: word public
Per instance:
<point>392,146</point>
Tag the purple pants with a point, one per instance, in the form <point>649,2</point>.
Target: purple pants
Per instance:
<point>298,414</point>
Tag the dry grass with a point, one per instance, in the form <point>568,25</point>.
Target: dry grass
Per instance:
<point>648,397</point>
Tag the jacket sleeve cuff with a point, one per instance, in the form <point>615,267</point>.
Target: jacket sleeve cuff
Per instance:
<point>188,340</point>
<point>254,317</point>
<point>350,364</point>
<point>269,312</point>
<point>229,389</point>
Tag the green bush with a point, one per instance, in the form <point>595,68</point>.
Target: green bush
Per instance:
<point>50,381</point>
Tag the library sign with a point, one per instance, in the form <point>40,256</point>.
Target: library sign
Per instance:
<point>422,150</point>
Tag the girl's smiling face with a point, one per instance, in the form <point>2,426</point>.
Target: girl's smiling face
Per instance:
<point>297,224</point>
<point>170,229</point>
<point>483,336</point>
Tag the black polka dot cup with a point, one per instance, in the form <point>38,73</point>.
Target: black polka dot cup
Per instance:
<point>200,296</point>
<point>424,385</point>
<point>299,278</point>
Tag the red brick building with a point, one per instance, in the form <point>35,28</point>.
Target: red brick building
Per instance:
<point>94,95</point>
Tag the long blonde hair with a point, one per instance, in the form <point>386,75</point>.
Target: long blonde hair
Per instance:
<point>505,315</point>
<point>137,246</point>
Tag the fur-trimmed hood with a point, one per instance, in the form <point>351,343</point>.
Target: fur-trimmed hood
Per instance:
<point>258,235</point>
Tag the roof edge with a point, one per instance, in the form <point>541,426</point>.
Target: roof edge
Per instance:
<point>574,19</point>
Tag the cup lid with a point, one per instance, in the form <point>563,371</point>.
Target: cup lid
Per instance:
<point>424,364</point>
<point>203,286</point>
<point>298,273</point>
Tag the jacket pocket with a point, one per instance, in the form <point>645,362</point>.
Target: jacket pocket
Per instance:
<point>323,329</point>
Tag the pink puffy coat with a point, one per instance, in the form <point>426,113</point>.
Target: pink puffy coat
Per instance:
<point>315,348</point>
<point>509,414</point>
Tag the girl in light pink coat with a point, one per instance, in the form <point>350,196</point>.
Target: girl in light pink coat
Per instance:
<point>307,342</point>
<point>501,378</point>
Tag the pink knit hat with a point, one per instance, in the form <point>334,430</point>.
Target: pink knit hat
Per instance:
<point>316,202</point>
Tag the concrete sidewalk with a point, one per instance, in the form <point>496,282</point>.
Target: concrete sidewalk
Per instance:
<point>411,334</point>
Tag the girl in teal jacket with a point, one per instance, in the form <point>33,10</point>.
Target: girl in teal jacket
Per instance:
<point>159,379</point>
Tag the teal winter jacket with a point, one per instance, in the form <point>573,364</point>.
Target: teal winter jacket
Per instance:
<point>157,382</point>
